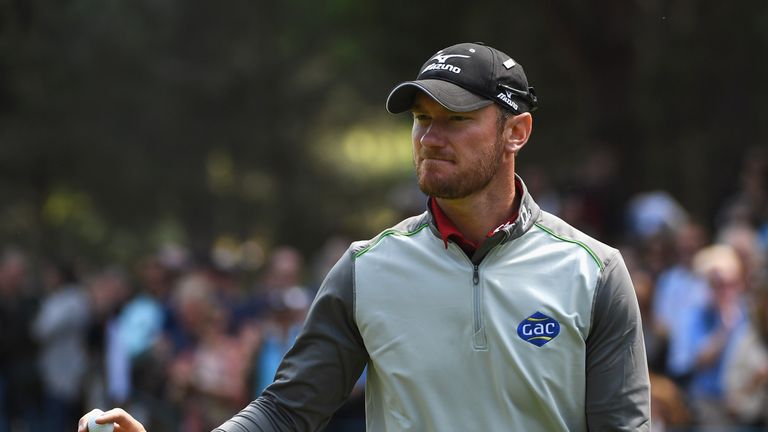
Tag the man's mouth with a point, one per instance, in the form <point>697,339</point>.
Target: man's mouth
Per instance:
<point>436,158</point>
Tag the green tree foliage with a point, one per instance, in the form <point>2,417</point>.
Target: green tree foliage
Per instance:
<point>125,122</point>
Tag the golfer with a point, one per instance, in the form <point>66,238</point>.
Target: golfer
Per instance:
<point>484,313</point>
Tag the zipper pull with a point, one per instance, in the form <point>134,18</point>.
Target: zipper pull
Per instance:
<point>476,275</point>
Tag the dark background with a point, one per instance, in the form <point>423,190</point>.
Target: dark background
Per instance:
<point>126,124</point>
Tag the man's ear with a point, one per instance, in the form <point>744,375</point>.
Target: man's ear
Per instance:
<point>517,130</point>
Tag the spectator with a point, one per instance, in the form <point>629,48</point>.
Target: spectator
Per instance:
<point>680,293</point>
<point>653,212</point>
<point>141,321</point>
<point>107,376</point>
<point>287,302</point>
<point>218,369</point>
<point>61,328</point>
<point>745,241</point>
<point>19,382</point>
<point>141,325</point>
<point>746,369</point>
<point>189,314</point>
<point>710,331</point>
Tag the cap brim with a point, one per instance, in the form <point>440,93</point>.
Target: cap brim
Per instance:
<point>447,94</point>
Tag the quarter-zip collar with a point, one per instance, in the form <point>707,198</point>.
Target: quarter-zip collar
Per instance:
<point>520,222</point>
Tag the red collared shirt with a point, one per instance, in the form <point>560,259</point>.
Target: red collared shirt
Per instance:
<point>449,231</point>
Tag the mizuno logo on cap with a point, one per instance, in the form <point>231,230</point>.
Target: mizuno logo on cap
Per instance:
<point>507,99</point>
<point>442,58</point>
<point>442,65</point>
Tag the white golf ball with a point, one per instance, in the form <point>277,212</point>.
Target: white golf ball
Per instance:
<point>95,427</point>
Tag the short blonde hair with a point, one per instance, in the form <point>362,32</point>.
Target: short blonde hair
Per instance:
<point>718,259</point>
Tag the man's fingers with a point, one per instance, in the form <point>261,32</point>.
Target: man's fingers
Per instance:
<point>115,415</point>
<point>82,425</point>
<point>123,421</point>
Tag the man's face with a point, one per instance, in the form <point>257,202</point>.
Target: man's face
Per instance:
<point>456,154</point>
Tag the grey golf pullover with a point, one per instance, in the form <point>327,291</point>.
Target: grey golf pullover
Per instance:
<point>538,331</point>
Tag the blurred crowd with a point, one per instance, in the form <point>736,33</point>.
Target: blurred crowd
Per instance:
<point>184,343</point>
<point>181,343</point>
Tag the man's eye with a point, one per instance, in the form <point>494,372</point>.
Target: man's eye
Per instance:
<point>421,117</point>
<point>459,118</point>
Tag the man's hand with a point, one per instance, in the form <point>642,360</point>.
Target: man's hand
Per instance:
<point>123,421</point>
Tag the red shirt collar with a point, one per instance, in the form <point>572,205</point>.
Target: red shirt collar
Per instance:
<point>448,230</point>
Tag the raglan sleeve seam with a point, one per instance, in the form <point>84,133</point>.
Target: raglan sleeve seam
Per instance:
<point>618,391</point>
<point>599,287</point>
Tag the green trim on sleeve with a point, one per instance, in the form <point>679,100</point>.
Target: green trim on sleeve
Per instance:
<point>576,242</point>
<point>386,233</point>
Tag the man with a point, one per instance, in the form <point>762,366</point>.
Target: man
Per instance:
<point>481,314</point>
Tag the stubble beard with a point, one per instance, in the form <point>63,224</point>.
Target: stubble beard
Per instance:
<point>464,183</point>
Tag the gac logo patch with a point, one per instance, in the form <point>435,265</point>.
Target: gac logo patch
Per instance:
<point>538,329</point>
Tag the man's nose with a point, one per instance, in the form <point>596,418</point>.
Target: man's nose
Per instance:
<point>433,135</point>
